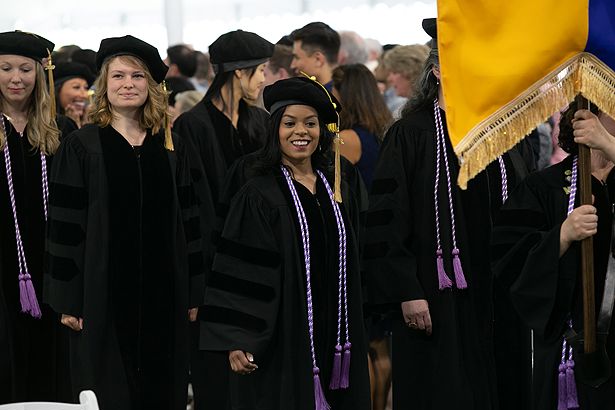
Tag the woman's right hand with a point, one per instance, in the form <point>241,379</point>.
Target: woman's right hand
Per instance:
<point>580,224</point>
<point>242,362</point>
<point>416,315</point>
<point>72,322</point>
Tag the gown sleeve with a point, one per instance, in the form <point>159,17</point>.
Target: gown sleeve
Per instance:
<point>244,292</point>
<point>197,212</point>
<point>390,265</point>
<point>525,259</point>
<point>65,245</point>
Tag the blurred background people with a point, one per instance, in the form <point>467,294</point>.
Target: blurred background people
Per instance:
<point>364,119</point>
<point>315,51</point>
<point>353,49</point>
<point>72,84</point>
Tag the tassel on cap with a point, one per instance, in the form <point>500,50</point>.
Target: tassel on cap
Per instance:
<point>337,141</point>
<point>52,94</point>
<point>562,393</point>
<point>168,140</point>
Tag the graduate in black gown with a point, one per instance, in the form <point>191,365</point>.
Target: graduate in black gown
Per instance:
<point>223,127</point>
<point>425,256</point>
<point>125,260</point>
<point>284,299</point>
<point>536,256</point>
<point>32,360</point>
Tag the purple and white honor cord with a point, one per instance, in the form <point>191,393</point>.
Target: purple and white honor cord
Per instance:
<point>320,401</point>
<point>443,279</point>
<point>340,377</point>
<point>27,294</point>
<point>567,388</point>
<point>504,179</point>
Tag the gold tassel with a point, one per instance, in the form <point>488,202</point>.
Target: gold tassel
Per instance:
<point>168,140</point>
<point>500,132</point>
<point>52,94</point>
<point>337,142</point>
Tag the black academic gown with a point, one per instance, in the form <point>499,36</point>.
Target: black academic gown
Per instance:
<point>33,360</point>
<point>544,287</point>
<point>454,367</point>
<point>124,255</point>
<point>256,297</point>
<point>218,144</point>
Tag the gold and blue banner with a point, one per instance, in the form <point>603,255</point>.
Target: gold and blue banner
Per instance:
<point>507,66</point>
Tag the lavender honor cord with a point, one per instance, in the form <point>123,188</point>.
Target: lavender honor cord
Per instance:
<point>27,294</point>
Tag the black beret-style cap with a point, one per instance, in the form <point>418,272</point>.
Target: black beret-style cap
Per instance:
<point>129,45</point>
<point>66,71</point>
<point>302,91</point>
<point>25,44</point>
<point>239,49</point>
<point>430,27</point>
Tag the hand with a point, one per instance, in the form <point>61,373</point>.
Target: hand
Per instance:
<point>192,314</point>
<point>416,315</point>
<point>589,130</point>
<point>242,362</point>
<point>580,224</point>
<point>72,322</point>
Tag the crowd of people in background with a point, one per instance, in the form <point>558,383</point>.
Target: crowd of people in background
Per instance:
<point>278,226</point>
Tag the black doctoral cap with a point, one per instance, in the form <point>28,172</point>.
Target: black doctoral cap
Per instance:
<point>303,91</point>
<point>239,49</point>
<point>431,28</point>
<point>132,46</point>
<point>66,71</point>
<point>25,44</point>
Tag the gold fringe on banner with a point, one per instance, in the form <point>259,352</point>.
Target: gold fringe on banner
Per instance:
<point>497,134</point>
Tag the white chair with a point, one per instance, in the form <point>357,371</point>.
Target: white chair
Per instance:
<point>87,401</point>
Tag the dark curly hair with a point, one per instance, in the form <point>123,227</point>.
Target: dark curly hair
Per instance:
<point>566,132</point>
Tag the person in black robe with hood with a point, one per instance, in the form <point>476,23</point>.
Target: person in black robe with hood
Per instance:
<point>32,355</point>
<point>124,240</point>
<point>224,126</point>
<point>536,256</point>
<point>425,256</point>
<point>284,299</point>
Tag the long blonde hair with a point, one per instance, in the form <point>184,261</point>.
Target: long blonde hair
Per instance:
<point>43,133</point>
<point>153,112</point>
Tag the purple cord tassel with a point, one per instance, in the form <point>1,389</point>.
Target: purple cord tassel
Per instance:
<point>27,296</point>
<point>562,390</point>
<point>460,279</point>
<point>320,402</point>
<point>336,373</point>
<point>571,386</point>
<point>345,382</point>
<point>443,278</point>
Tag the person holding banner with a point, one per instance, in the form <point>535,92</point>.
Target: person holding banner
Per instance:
<point>536,251</point>
<point>425,259</point>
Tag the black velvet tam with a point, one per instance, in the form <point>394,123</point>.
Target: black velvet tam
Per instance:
<point>303,91</point>
<point>430,27</point>
<point>68,70</point>
<point>25,44</point>
<point>239,49</point>
<point>129,45</point>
